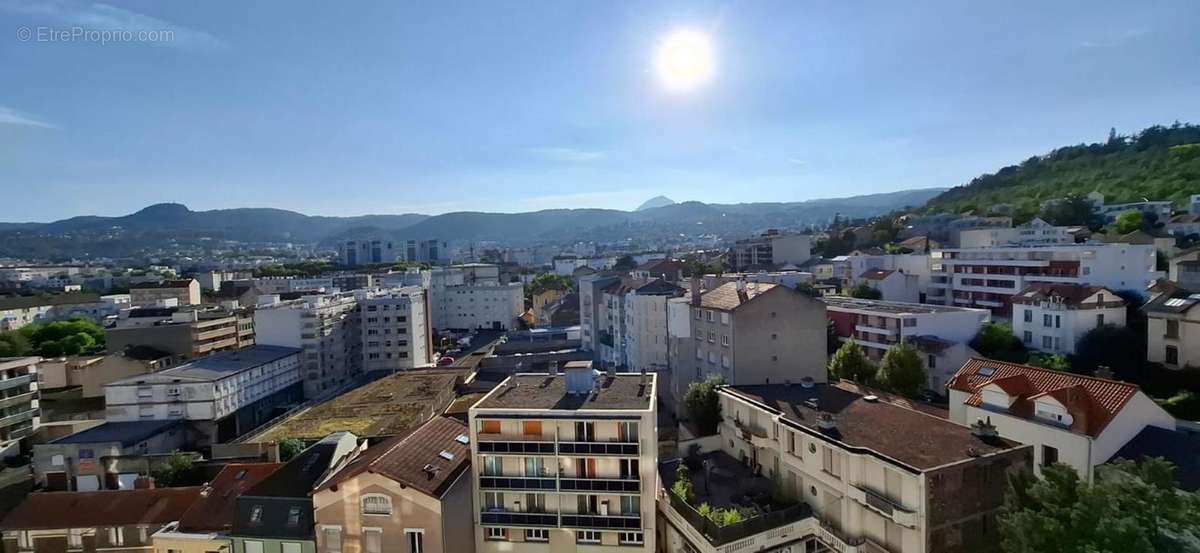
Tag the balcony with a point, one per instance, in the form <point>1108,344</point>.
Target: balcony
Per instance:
<point>18,418</point>
<point>756,436</point>
<point>875,330</point>
<point>600,485</point>
<point>602,522</point>
<point>598,449</point>
<point>517,483</point>
<point>9,383</point>
<point>884,505</point>
<point>605,337</point>
<point>506,518</point>
<point>498,446</point>
<point>17,400</point>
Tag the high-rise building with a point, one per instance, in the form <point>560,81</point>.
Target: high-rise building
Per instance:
<point>565,462</point>
<point>772,249</point>
<point>19,412</point>
<point>395,329</point>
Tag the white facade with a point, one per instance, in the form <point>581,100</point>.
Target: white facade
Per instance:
<point>1032,233</point>
<point>470,307</point>
<point>19,409</point>
<point>394,330</point>
<point>324,327</point>
<point>1055,326</point>
<point>645,332</point>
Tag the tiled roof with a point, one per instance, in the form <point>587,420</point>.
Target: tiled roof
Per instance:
<point>1092,402</point>
<point>1172,299</point>
<point>53,510</point>
<point>727,298</point>
<point>1071,294</point>
<point>405,459</point>
<point>217,506</point>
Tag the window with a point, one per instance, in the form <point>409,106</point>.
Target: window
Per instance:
<point>75,538</point>
<point>492,501</point>
<point>415,540</point>
<point>629,469</point>
<point>831,462</point>
<point>490,427</point>
<point>537,535</point>
<point>293,516</point>
<point>253,546</point>
<point>1058,321</point>
<point>1100,319</point>
<point>627,432</point>
<point>698,315</point>
<point>1049,455</point>
<point>585,431</point>
<point>1172,328</point>
<point>116,536</point>
<point>256,514</point>
<point>1171,356</point>
<point>1029,315</point>
<point>376,504</point>
<point>712,336</point>
<point>587,536</point>
<point>290,547</point>
<point>630,504</point>
<point>333,539</point>
<point>535,503</point>
<point>725,339</point>
<point>1027,337</point>
<point>910,322</point>
<point>1047,342</point>
<point>1046,320</point>
<point>535,466</point>
<point>496,534</point>
<point>532,429</point>
<point>492,466</point>
<point>630,538</point>
<point>724,318</point>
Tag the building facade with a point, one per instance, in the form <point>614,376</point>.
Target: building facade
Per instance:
<point>1052,318</point>
<point>183,332</point>
<point>395,330</point>
<point>772,249</point>
<point>184,292</point>
<point>565,463</point>
<point>19,412</point>
<point>325,328</point>
<point>1173,328</point>
<point>111,456</point>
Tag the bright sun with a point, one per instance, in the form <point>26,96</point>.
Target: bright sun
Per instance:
<point>684,60</point>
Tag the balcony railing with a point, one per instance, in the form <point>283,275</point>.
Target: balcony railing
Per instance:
<point>608,485</point>
<point>501,447</point>
<point>18,418</point>
<point>505,518</point>
<point>15,381</point>
<point>602,522</point>
<point>517,483</point>
<point>626,449</point>
<point>719,535</point>
<point>17,400</point>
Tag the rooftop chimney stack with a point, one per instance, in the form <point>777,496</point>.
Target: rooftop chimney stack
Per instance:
<point>695,285</point>
<point>984,429</point>
<point>580,377</point>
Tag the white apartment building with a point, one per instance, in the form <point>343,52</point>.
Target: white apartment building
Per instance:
<point>822,468</point>
<point>1077,420</point>
<point>565,462</point>
<point>771,250</point>
<point>860,266</point>
<point>1032,233</point>
<point>395,330</point>
<point>940,333</point>
<point>225,394</point>
<point>325,328</point>
<point>19,412</point>
<point>471,296</point>
<point>892,285</point>
<point>18,311</point>
<point>1173,328</point>
<point>1051,318</point>
<point>988,277</point>
<point>185,292</point>
<point>631,324</point>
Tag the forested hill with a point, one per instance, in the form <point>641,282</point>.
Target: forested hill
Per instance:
<point>1159,163</point>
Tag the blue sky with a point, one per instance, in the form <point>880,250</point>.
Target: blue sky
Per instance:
<point>345,108</point>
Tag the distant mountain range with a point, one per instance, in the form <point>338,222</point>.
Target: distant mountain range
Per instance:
<point>657,201</point>
<point>161,226</point>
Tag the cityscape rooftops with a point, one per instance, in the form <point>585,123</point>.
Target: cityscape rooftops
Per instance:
<point>728,297</point>
<point>54,510</point>
<point>622,391</point>
<point>877,274</point>
<point>128,433</point>
<point>1172,300</point>
<point>427,460</point>
<point>214,367</point>
<point>182,283</point>
<point>26,302</point>
<point>891,307</point>
<point>297,477</point>
<point>1069,294</point>
<point>216,508</point>
<point>913,438</point>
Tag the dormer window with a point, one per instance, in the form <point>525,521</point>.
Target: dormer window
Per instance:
<point>996,398</point>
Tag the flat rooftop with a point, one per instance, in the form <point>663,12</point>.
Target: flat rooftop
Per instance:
<point>216,366</point>
<point>893,307</point>
<point>917,439</point>
<point>125,432</point>
<point>549,391</point>
<point>391,406</point>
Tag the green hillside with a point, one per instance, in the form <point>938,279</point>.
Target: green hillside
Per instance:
<point>1159,163</point>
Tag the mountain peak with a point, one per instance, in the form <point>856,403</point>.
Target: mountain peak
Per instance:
<point>164,210</point>
<point>657,201</point>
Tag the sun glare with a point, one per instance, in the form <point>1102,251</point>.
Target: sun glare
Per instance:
<point>684,60</point>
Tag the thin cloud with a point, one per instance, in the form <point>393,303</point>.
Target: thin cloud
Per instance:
<point>1114,39</point>
<point>100,16</point>
<point>9,116</point>
<point>797,161</point>
<point>567,155</point>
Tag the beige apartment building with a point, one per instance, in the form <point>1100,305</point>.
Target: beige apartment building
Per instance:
<point>184,292</point>
<point>205,525</point>
<point>565,462</point>
<point>824,468</point>
<point>1173,328</point>
<point>185,332</point>
<point>409,494</point>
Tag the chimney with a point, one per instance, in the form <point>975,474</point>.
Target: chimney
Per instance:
<point>579,377</point>
<point>695,285</point>
<point>1104,372</point>
<point>741,290</point>
<point>826,421</point>
<point>984,429</point>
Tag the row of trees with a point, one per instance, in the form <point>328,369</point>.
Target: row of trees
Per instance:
<point>900,371</point>
<point>54,339</point>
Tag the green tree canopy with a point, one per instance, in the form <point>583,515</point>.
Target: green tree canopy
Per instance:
<point>850,363</point>
<point>53,339</point>
<point>1131,508</point>
<point>704,405</point>
<point>996,340</point>
<point>1048,361</point>
<point>1074,210</point>
<point>901,371</point>
<point>1122,349</point>
<point>625,263</point>
<point>1129,221</point>
<point>864,292</point>
<point>550,281</point>
<point>178,470</point>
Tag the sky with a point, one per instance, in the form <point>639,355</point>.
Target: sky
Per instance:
<point>348,108</point>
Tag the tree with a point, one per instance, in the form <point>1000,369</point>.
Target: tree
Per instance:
<point>1128,221</point>
<point>864,292</point>
<point>14,344</point>
<point>625,263</point>
<point>549,281</point>
<point>901,371</point>
<point>289,448</point>
<point>703,404</point>
<point>1074,210</point>
<point>849,363</point>
<point>683,483</point>
<point>178,470</point>
<point>1121,348</point>
<point>1052,362</point>
<point>1131,508</point>
<point>996,340</point>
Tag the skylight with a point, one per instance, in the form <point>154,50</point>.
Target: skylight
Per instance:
<point>462,439</point>
<point>987,371</point>
<point>446,455</point>
<point>1176,302</point>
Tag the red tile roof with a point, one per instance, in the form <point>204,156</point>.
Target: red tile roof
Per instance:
<point>1092,402</point>
<point>217,506</point>
<point>54,510</point>
<point>404,459</point>
<point>1071,294</point>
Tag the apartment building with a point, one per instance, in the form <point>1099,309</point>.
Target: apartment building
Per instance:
<point>989,277</point>
<point>565,462</point>
<point>771,250</point>
<point>819,467</point>
<point>1173,328</point>
<point>892,285</point>
<point>189,333</point>
<point>369,251</point>
<point>223,395</point>
<point>409,493</point>
<point>631,323</point>
<point>1077,420</point>
<point>746,333</point>
<point>940,333</point>
<point>276,514</point>
<point>395,329</point>
<point>184,292</point>
<point>325,328</point>
<point>1161,210</point>
<point>875,269</point>
<point>18,311</point>
<point>426,251</point>
<point>111,456</point>
<point>19,412</point>
<point>204,527</point>
<point>1052,318</point>
<point>591,301</point>
<point>1032,233</point>
<point>121,521</point>
<point>1184,269</point>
